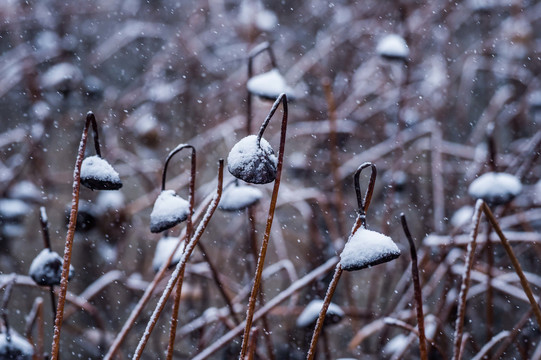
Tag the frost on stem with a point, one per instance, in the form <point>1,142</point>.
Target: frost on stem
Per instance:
<point>46,268</point>
<point>98,174</point>
<point>253,161</point>
<point>238,197</point>
<point>169,210</point>
<point>310,314</point>
<point>367,248</point>
<point>14,346</point>
<point>495,188</point>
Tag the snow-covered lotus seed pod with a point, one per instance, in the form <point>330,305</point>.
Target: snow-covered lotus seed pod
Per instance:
<point>367,248</point>
<point>169,210</point>
<point>98,174</point>
<point>15,347</point>
<point>310,314</point>
<point>393,47</point>
<point>46,268</point>
<point>269,85</point>
<point>252,161</point>
<point>238,197</point>
<point>495,188</point>
<point>164,248</point>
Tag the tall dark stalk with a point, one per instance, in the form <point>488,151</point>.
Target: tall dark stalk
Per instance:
<point>90,119</point>
<point>417,289</point>
<point>263,250</point>
<point>47,244</point>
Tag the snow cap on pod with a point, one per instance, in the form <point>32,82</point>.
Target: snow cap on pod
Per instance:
<point>46,268</point>
<point>393,47</point>
<point>98,174</point>
<point>495,188</point>
<point>310,314</point>
<point>269,85</point>
<point>367,248</point>
<point>14,346</point>
<point>169,210</point>
<point>239,197</point>
<point>252,162</point>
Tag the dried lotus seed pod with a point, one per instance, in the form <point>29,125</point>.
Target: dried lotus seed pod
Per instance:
<point>169,210</point>
<point>98,174</point>
<point>252,162</point>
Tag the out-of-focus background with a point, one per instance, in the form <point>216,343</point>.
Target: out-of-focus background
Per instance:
<point>160,73</point>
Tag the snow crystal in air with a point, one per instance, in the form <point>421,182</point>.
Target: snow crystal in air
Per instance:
<point>393,46</point>
<point>495,188</point>
<point>164,248</point>
<point>367,248</point>
<point>311,312</point>
<point>269,85</point>
<point>169,210</point>
<point>98,174</point>
<point>251,163</point>
<point>46,268</point>
<point>239,197</point>
<point>15,347</point>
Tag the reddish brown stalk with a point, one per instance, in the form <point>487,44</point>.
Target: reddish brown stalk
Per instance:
<point>70,235</point>
<point>461,308</point>
<point>178,273</point>
<point>284,295</point>
<point>35,317</point>
<point>189,230</point>
<point>417,290</point>
<point>515,262</point>
<point>121,336</point>
<point>263,250</point>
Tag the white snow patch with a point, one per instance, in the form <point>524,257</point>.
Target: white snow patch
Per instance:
<point>396,344</point>
<point>393,46</point>
<point>251,163</point>
<point>269,85</point>
<point>169,209</point>
<point>94,167</point>
<point>110,200</point>
<point>462,216</point>
<point>11,209</point>
<point>495,188</point>
<point>25,190</point>
<point>164,248</point>
<point>311,312</point>
<point>238,197</point>
<point>367,248</point>
<point>16,348</point>
<point>60,73</point>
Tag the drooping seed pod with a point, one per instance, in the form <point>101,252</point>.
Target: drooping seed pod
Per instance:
<point>393,47</point>
<point>98,174</point>
<point>253,161</point>
<point>46,268</point>
<point>367,248</point>
<point>495,188</point>
<point>164,248</point>
<point>169,210</point>
<point>14,346</point>
<point>310,314</point>
<point>269,85</point>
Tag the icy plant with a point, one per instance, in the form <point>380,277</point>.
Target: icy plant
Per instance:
<point>96,172</point>
<point>269,85</point>
<point>238,197</point>
<point>46,268</point>
<point>252,159</point>
<point>169,208</point>
<point>367,249</point>
<point>393,47</point>
<point>495,188</point>
<point>310,314</point>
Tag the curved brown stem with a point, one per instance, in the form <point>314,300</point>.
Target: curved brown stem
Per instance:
<point>364,203</point>
<point>417,290</point>
<point>90,117</point>
<point>274,198</point>
<point>71,232</point>
<point>189,230</point>
<point>44,227</point>
<point>178,273</point>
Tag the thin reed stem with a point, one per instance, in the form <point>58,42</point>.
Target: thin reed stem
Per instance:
<point>515,262</point>
<point>461,308</point>
<point>189,230</point>
<point>417,289</point>
<point>71,233</point>
<point>178,273</point>
<point>263,250</point>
